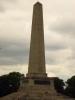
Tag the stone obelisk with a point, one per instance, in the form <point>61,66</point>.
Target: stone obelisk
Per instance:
<point>36,66</point>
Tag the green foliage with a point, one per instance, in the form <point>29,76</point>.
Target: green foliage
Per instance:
<point>71,81</point>
<point>70,90</point>
<point>59,85</point>
<point>9,83</point>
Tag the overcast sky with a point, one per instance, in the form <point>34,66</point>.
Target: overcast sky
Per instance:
<point>59,31</point>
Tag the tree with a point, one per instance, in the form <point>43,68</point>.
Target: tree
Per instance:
<point>70,89</point>
<point>59,85</point>
<point>10,83</point>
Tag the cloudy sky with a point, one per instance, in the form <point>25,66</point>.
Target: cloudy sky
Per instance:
<point>59,31</point>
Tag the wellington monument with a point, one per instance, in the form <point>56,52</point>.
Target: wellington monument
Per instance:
<point>37,85</point>
<point>37,48</point>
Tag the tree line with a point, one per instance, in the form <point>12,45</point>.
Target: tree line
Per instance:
<point>10,83</point>
<point>66,88</point>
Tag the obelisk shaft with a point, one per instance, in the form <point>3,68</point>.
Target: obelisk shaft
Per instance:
<point>37,50</point>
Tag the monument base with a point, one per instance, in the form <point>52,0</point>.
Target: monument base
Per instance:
<point>36,89</point>
<point>41,88</point>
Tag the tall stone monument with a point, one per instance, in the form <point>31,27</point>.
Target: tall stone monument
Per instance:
<point>37,48</point>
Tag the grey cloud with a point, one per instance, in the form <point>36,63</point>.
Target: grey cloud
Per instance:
<point>50,60</point>
<point>4,3</point>
<point>12,1</point>
<point>66,26</point>
<point>2,8</point>
<point>61,56</point>
<point>56,47</point>
<point>13,53</point>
